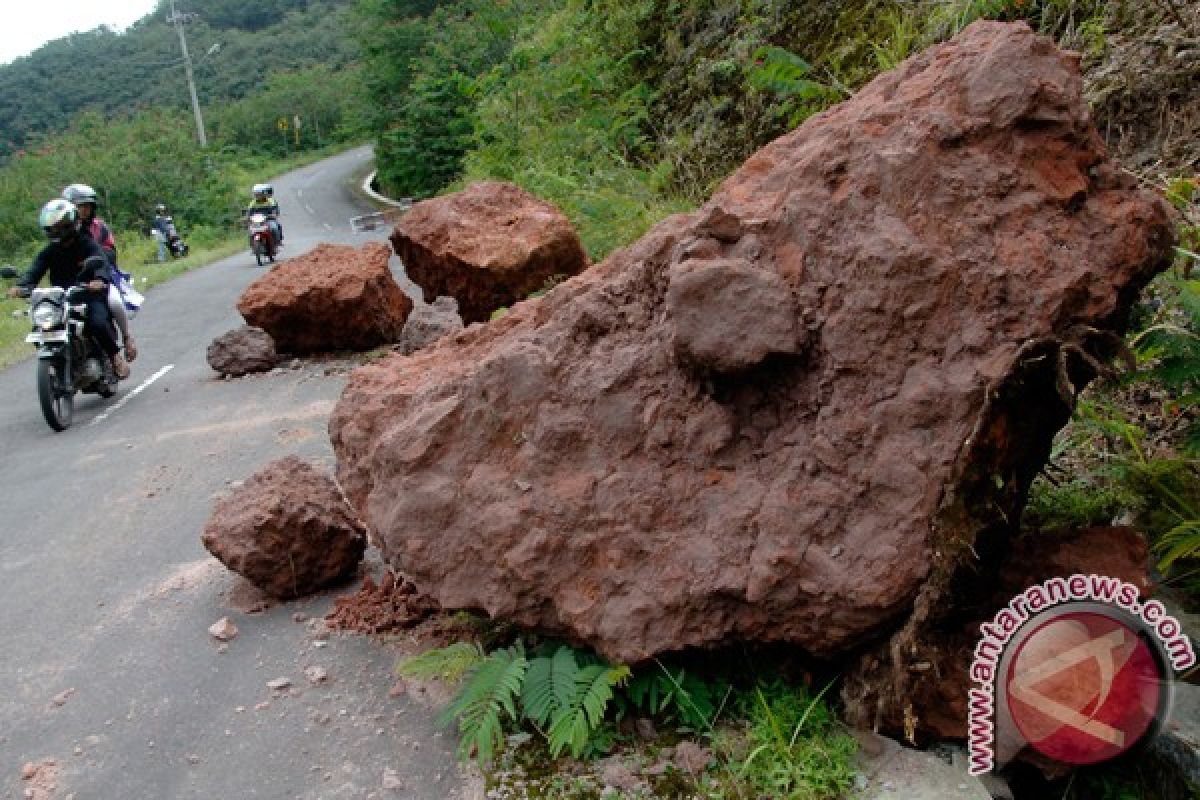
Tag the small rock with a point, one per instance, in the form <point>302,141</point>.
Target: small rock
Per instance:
<point>645,729</point>
<point>316,675</point>
<point>223,629</point>
<point>299,616</point>
<point>397,690</point>
<point>691,757</point>
<point>263,706</point>
<point>28,770</point>
<point>279,684</point>
<point>62,697</point>
<point>391,780</point>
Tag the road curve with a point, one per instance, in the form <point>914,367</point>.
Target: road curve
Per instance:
<point>106,593</point>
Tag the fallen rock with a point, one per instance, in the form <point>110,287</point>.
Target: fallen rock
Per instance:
<point>893,772</point>
<point>316,675</point>
<point>335,297</point>
<point>955,253</point>
<point>287,530</point>
<point>488,246</point>
<point>427,324</point>
<point>223,630</point>
<point>242,351</point>
<point>279,684</point>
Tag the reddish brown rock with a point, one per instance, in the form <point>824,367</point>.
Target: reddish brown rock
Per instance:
<point>789,415</point>
<point>335,297</point>
<point>287,530</point>
<point>488,246</point>
<point>242,351</point>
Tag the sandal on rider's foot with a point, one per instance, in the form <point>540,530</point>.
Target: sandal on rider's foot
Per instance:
<point>131,350</point>
<point>120,366</point>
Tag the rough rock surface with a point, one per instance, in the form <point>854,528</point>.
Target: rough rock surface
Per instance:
<point>288,530</point>
<point>242,351</point>
<point>488,246</point>
<point>427,324</point>
<point>909,288</point>
<point>335,297</point>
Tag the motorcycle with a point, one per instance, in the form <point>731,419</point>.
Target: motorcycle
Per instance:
<point>67,360</point>
<point>262,238</point>
<point>175,244</point>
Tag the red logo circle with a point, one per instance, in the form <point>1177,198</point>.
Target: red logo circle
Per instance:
<point>1084,687</point>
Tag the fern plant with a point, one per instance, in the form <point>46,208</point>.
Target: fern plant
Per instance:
<point>490,692</point>
<point>564,695</point>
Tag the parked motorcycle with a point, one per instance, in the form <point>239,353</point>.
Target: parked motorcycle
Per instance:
<point>67,360</point>
<point>175,244</point>
<point>262,238</point>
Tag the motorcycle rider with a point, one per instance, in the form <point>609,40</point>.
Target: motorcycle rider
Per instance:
<point>66,259</point>
<point>84,199</point>
<point>161,228</point>
<point>265,203</point>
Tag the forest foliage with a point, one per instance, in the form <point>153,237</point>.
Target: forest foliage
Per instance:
<point>142,68</point>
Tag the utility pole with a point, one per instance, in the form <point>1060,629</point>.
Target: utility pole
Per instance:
<point>178,19</point>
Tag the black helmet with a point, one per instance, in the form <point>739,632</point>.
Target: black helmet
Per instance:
<point>59,219</point>
<point>79,193</point>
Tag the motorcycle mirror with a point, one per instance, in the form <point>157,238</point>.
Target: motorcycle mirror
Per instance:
<point>8,272</point>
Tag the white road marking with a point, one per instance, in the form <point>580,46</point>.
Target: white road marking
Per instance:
<point>138,390</point>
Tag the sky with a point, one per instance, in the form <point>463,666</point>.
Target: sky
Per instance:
<point>26,26</point>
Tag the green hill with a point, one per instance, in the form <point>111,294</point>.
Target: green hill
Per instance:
<point>142,67</point>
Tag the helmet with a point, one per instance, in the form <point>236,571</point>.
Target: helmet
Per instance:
<point>261,189</point>
<point>160,209</point>
<point>59,219</point>
<point>79,193</point>
<point>270,189</point>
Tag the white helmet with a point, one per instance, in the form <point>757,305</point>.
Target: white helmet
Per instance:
<point>79,193</point>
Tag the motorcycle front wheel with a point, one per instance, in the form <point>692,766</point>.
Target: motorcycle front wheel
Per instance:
<point>259,247</point>
<point>54,395</point>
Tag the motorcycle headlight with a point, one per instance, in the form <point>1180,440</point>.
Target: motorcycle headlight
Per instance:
<point>46,315</point>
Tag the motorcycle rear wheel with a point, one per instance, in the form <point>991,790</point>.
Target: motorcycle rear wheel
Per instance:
<point>57,401</point>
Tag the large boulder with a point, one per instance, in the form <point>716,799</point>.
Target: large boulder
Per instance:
<point>242,351</point>
<point>911,287</point>
<point>335,297</point>
<point>488,246</point>
<point>288,530</point>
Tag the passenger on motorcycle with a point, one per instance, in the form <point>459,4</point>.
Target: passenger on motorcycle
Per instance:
<point>120,292</point>
<point>65,259</point>
<point>265,203</point>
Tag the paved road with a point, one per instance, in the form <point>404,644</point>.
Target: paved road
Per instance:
<point>106,593</point>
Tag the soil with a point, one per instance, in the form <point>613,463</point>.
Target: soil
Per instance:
<point>389,606</point>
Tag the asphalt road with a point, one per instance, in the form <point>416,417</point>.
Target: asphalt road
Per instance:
<point>106,592</point>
